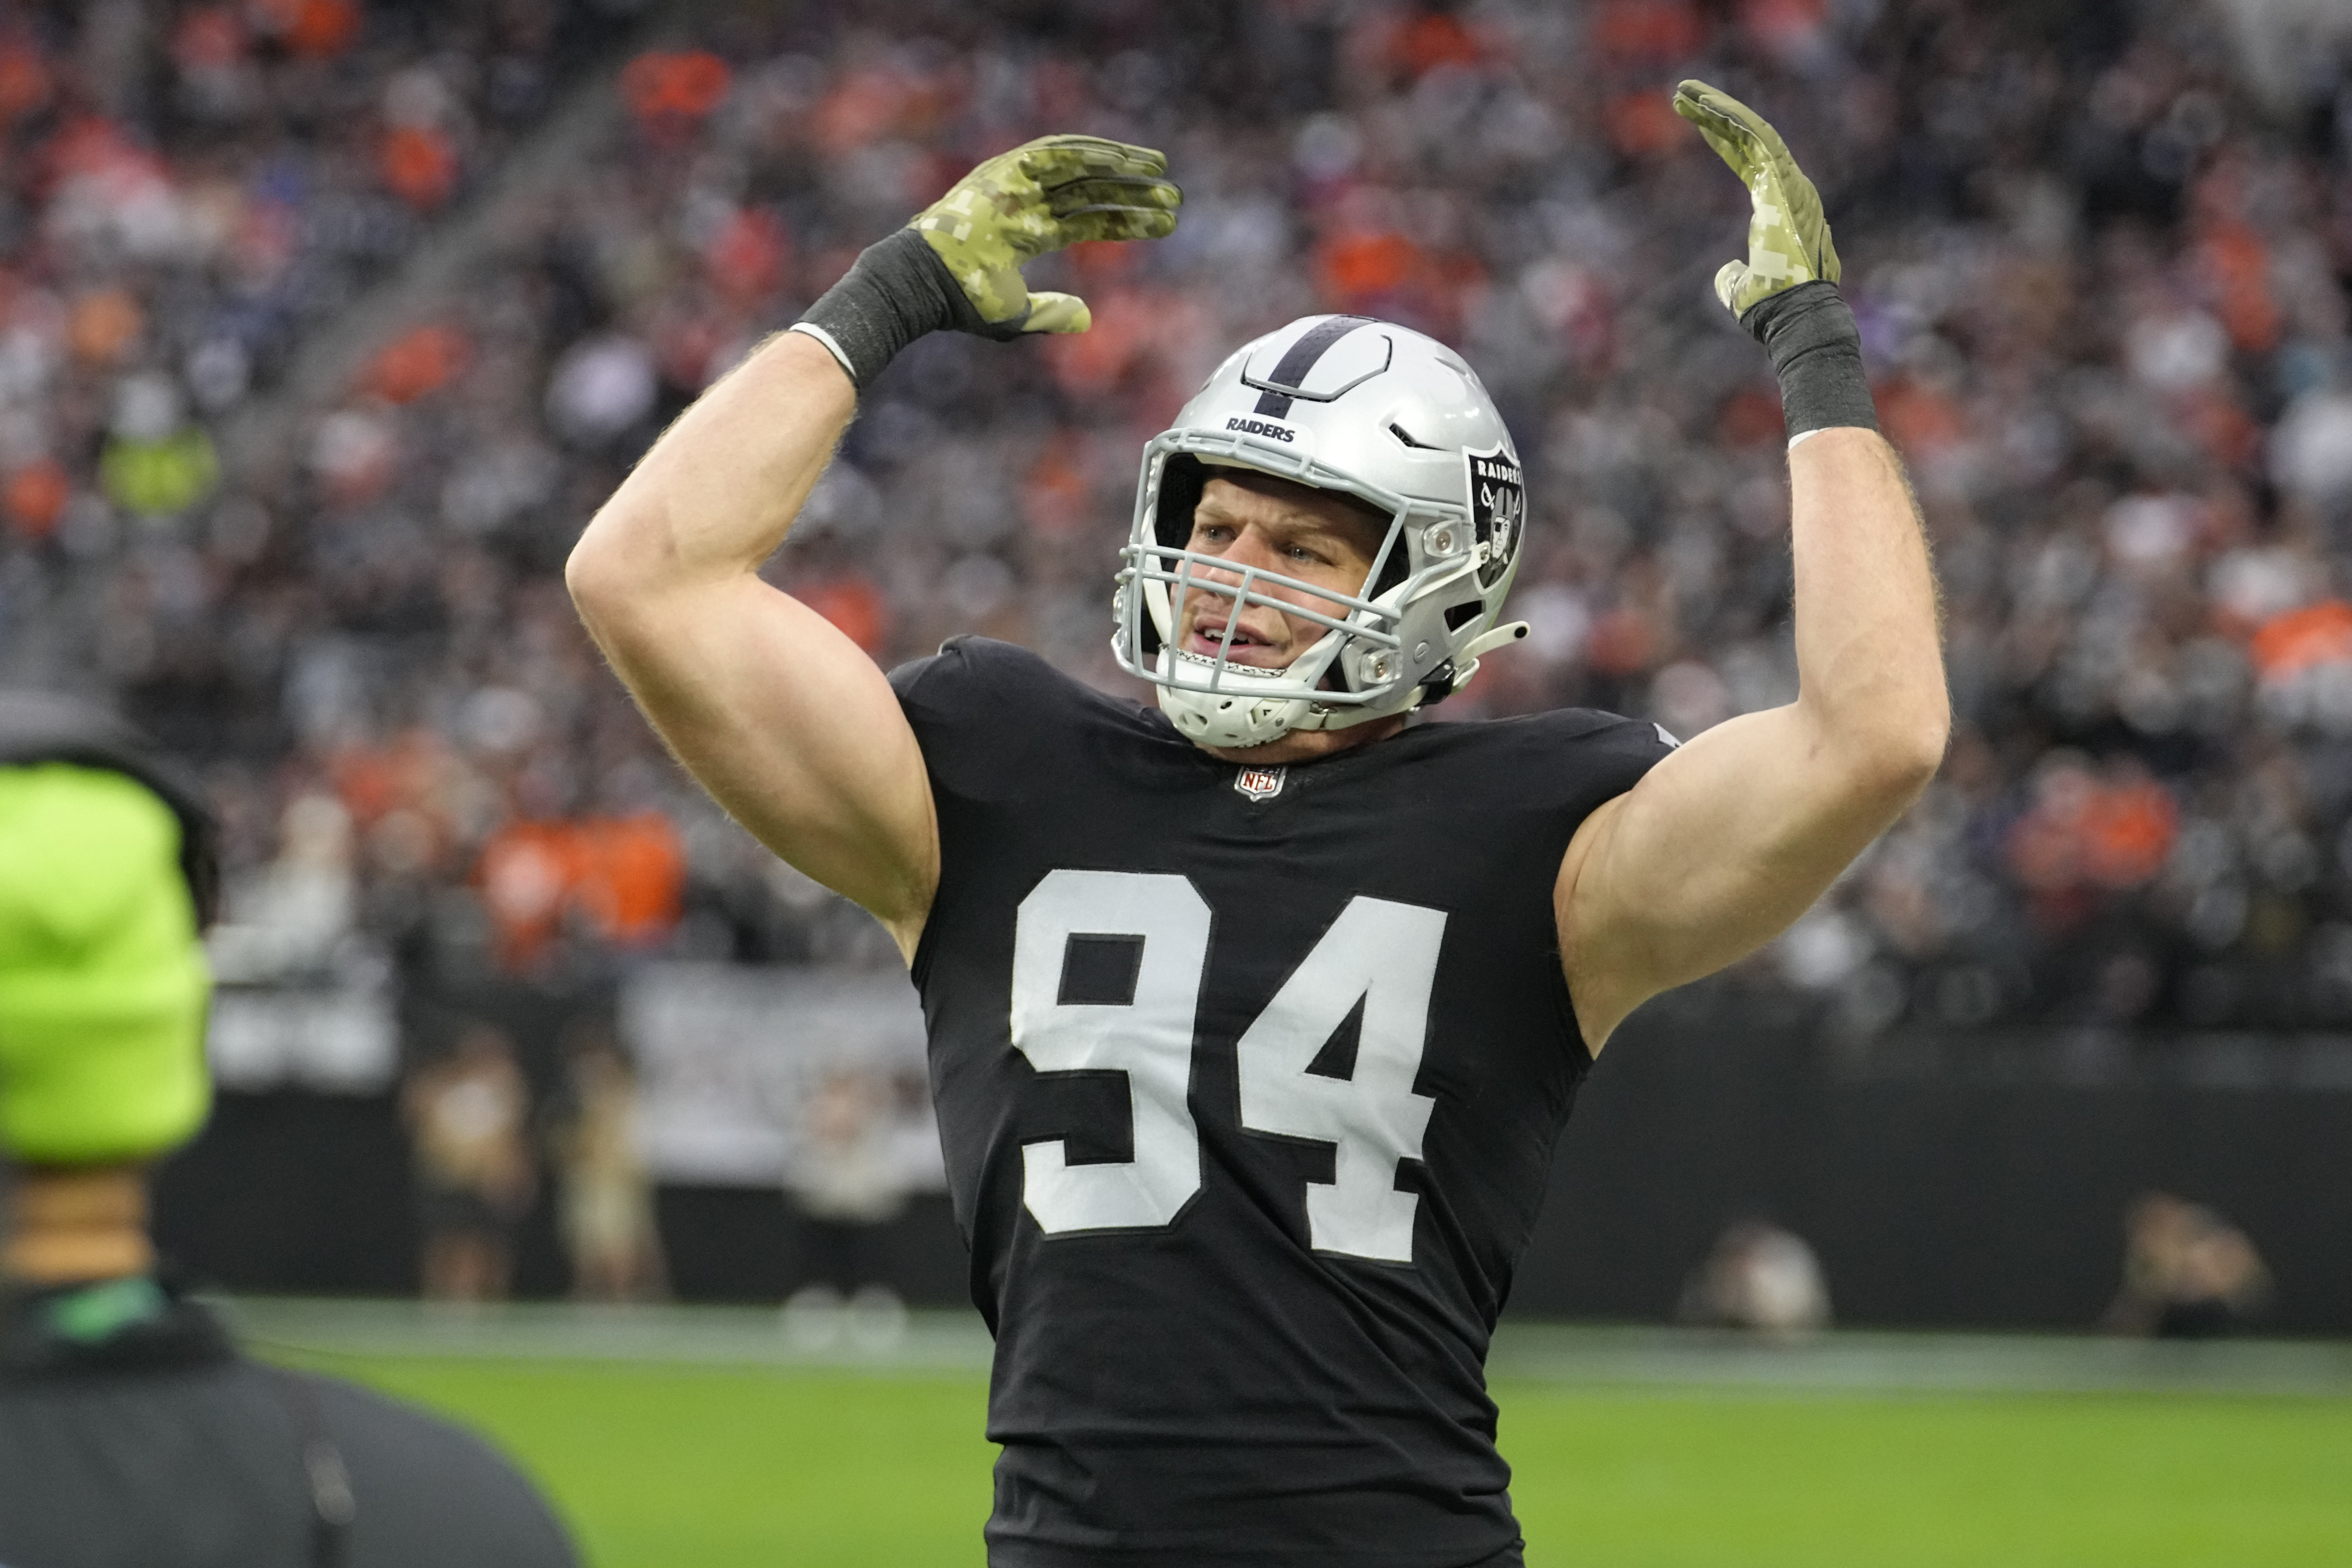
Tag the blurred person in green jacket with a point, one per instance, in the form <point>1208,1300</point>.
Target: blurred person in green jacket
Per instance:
<point>134,1433</point>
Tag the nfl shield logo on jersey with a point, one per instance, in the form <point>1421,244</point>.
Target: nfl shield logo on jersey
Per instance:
<point>1259,783</point>
<point>1498,501</point>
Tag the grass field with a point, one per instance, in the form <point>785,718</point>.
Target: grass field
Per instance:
<point>1644,1451</point>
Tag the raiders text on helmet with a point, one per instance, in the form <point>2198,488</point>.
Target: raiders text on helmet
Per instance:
<point>1375,411</point>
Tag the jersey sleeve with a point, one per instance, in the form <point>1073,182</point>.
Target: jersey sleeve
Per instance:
<point>1615,754</point>
<point>1580,758</point>
<point>996,725</point>
<point>982,712</point>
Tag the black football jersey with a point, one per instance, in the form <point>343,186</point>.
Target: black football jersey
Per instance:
<point>1248,1081</point>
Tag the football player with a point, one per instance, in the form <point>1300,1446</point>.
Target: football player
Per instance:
<point>1254,1015</point>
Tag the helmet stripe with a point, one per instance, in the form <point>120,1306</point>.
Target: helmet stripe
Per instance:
<point>1300,358</point>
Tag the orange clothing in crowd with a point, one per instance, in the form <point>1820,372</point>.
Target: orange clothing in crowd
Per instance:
<point>671,91</point>
<point>1432,39</point>
<point>419,362</point>
<point>418,165</point>
<point>2128,834</point>
<point>632,870</point>
<point>2085,833</point>
<point>2286,645</point>
<point>623,877</point>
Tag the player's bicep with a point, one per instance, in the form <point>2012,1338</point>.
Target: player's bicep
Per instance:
<point>795,731</point>
<point>1716,851</point>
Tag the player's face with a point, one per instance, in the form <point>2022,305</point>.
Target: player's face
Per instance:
<point>1314,538</point>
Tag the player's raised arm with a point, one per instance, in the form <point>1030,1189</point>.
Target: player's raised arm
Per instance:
<point>781,717</point>
<point>1727,840</point>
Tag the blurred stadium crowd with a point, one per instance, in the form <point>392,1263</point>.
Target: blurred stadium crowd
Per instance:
<point>2101,268</point>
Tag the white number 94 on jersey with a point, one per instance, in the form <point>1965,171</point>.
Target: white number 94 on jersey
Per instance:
<point>1379,955</point>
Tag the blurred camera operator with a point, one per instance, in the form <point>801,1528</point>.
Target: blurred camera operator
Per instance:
<point>134,1433</point>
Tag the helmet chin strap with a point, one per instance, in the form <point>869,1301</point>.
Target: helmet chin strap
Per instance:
<point>1319,717</point>
<point>1239,718</point>
<point>1254,726</point>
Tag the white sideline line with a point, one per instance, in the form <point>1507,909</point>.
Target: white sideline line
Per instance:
<point>706,1336</point>
<point>1861,1362</point>
<point>1842,1363</point>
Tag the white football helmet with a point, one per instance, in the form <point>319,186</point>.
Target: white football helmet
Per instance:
<point>1377,412</point>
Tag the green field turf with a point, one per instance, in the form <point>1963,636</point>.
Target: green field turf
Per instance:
<point>711,1467</point>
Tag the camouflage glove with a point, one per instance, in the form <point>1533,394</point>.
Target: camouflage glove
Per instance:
<point>1038,198</point>
<point>1785,293</point>
<point>957,267</point>
<point>1788,238</point>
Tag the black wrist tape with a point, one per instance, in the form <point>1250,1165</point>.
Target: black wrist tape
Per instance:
<point>1816,352</point>
<point>897,291</point>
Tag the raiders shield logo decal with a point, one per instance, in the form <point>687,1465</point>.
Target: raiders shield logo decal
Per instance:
<point>1498,506</point>
<point>1259,783</point>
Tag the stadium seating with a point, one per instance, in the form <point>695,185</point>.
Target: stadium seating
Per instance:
<point>2101,271</point>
